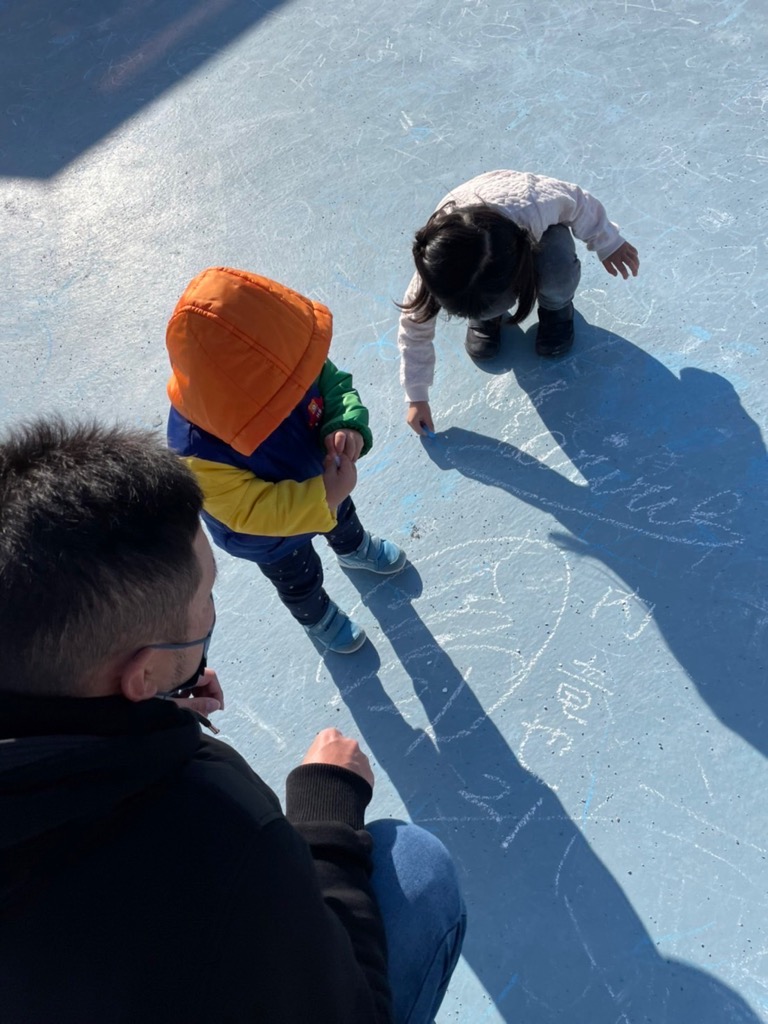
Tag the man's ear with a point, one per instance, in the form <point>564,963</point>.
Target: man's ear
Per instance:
<point>135,678</point>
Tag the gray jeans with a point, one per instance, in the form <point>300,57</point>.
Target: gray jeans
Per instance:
<point>558,269</point>
<point>557,277</point>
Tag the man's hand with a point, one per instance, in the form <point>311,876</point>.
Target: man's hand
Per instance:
<point>339,479</point>
<point>331,747</point>
<point>419,416</point>
<point>206,697</point>
<point>345,442</point>
<point>625,258</point>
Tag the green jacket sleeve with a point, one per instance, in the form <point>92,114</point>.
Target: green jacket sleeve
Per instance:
<point>343,408</point>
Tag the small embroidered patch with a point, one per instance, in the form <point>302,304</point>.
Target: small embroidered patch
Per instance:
<point>315,411</point>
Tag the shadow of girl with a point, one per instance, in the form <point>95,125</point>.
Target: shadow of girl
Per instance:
<point>675,502</point>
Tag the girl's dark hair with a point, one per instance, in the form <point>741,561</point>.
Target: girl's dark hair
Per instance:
<point>467,257</point>
<point>96,550</point>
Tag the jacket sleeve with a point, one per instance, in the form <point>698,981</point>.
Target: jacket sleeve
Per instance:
<point>301,938</point>
<point>343,408</point>
<point>245,504</point>
<point>417,351</point>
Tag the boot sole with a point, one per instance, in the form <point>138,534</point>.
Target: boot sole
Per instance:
<point>480,357</point>
<point>553,353</point>
<point>349,648</point>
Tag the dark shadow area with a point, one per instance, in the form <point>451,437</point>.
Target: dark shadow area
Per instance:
<point>551,936</point>
<point>72,72</point>
<point>675,503</point>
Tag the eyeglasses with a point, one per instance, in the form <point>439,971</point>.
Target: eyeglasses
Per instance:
<point>204,640</point>
<point>179,691</point>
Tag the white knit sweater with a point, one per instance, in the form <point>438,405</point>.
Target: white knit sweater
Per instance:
<point>534,203</point>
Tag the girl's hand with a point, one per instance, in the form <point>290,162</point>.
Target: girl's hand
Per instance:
<point>625,258</point>
<point>348,442</point>
<point>339,479</point>
<point>419,416</point>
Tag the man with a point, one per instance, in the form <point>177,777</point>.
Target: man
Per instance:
<point>146,873</point>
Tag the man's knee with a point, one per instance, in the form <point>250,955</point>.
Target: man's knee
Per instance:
<point>419,862</point>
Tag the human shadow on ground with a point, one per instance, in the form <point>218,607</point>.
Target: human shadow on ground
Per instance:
<point>72,72</point>
<point>551,935</point>
<point>673,500</point>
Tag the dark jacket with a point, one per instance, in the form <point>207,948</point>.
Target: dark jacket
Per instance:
<point>148,875</point>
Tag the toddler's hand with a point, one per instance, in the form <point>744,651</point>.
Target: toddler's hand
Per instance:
<point>339,480</point>
<point>419,416</point>
<point>350,442</point>
<point>625,258</point>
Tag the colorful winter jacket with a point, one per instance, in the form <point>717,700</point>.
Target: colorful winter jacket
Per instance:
<point>253,394</point>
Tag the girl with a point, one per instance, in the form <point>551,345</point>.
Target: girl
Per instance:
<point>500,240</point>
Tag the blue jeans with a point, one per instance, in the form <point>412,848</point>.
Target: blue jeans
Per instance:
<point>417,890</point>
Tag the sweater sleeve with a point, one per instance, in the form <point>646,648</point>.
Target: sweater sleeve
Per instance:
<point>417,351</point>
<point>295,935</point>
<point>245,504</point>
<point>560,202</point>
<point>343,407</point>
<point>326,805</point>
<point>299,937</point>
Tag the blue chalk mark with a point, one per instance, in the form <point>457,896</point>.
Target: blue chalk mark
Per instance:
<point>523,114</point>
<point>588,800</point>
<point>450,484</point>
<point>409,501</point>
<point>386,348</point>
<point>419,132</point>
<point>502,995</point>
<point>341,278</point>
<point>416,813</point>
<point>744,346</point>
<point>593,780</point>
<point>731,17</point>
<point>670,937</point>
<point>699,332</point>
<point>64,40</point>
<point>507,988</point>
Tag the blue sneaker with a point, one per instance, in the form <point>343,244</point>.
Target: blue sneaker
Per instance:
<point>375,555</point>
<point>337,632</point>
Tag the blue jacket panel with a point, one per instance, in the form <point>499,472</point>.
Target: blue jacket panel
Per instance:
<point>291,452</point>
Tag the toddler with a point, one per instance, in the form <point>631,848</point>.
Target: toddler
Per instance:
<point>272,430</point>
<point>502,240</point>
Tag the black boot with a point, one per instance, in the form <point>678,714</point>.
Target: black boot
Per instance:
<point>483,338</point>
<point>555,334</point>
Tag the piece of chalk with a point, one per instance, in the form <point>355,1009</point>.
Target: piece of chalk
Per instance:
<point>337,459</point>
<point>427,431</point>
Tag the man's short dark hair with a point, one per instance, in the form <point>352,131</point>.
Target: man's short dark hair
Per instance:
<point>97,525</point>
